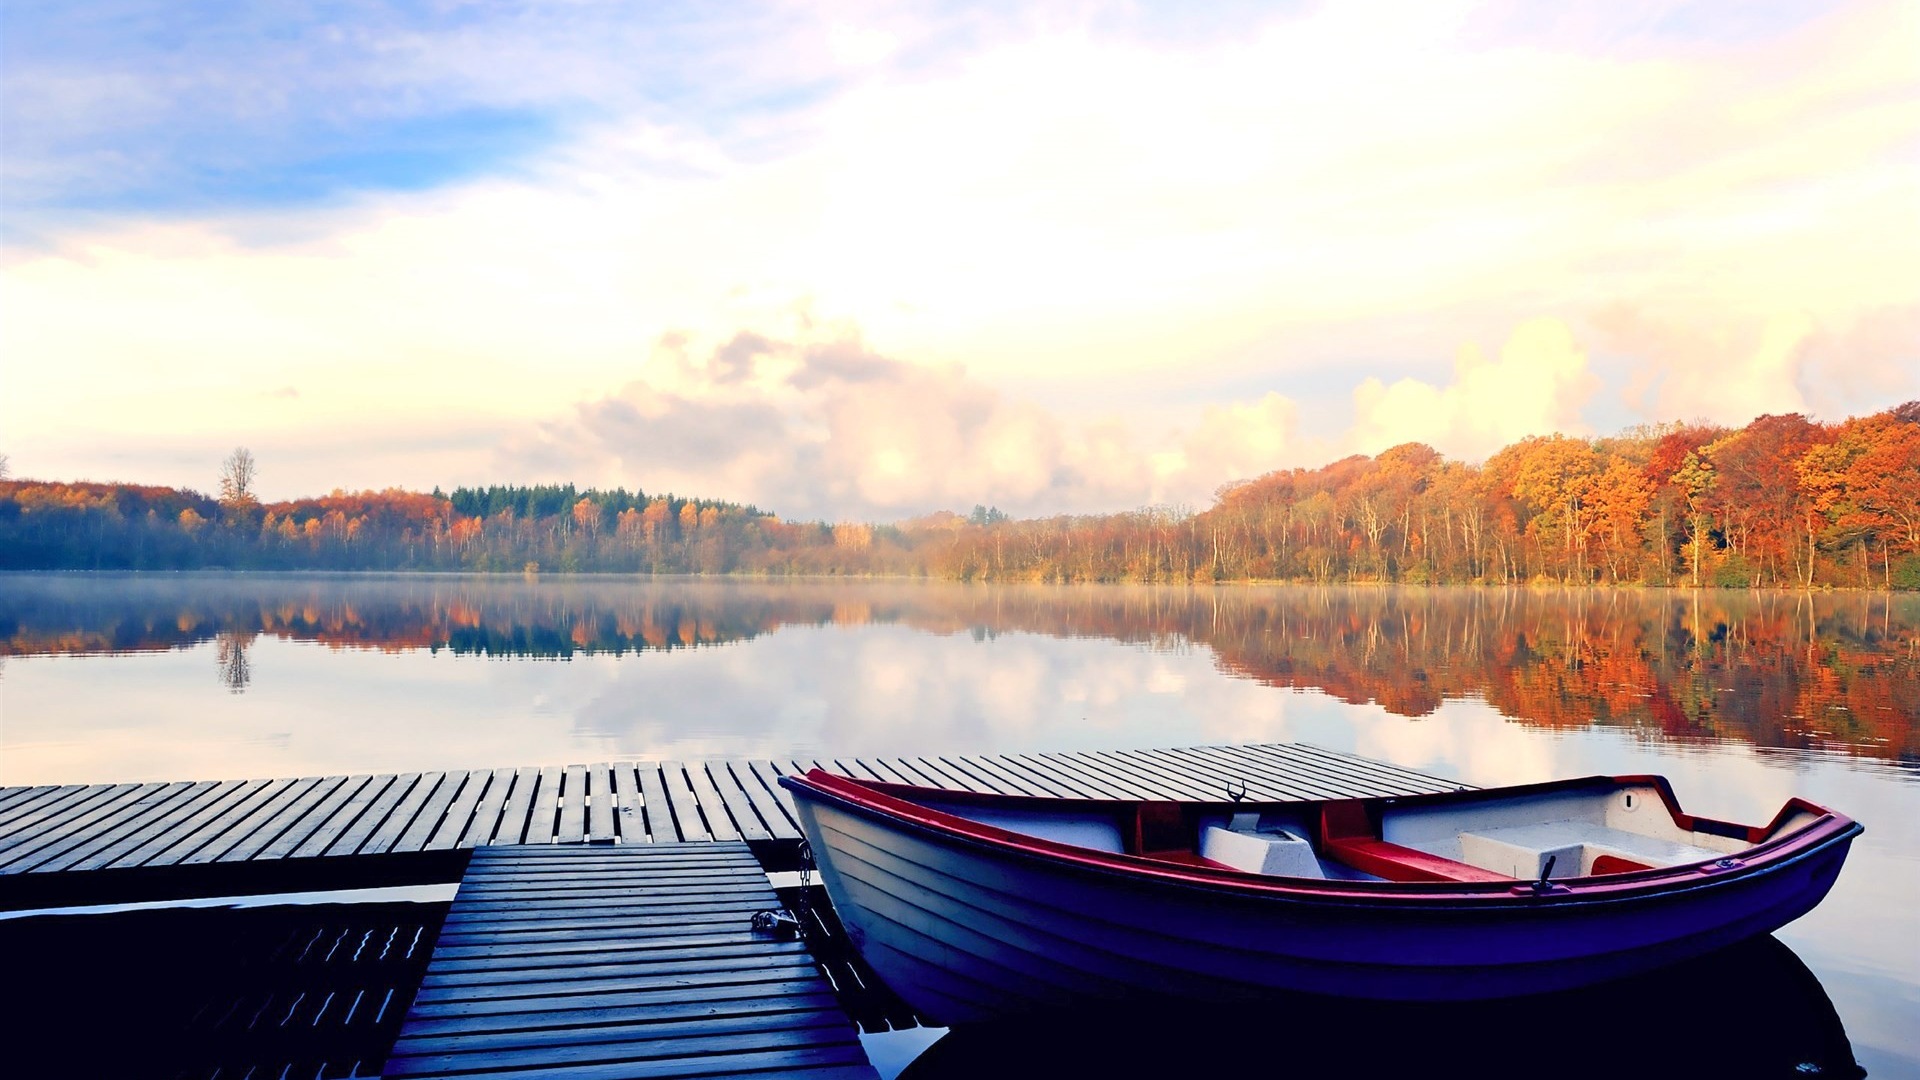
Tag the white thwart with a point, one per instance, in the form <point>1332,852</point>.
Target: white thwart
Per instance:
<point>1522,850</point>
<point>1275,852</point>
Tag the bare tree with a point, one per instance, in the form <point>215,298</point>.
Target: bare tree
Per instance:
<point>236,479</point>
<point>6,473</point>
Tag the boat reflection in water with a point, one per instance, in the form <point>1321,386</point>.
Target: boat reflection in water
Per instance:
<point>1753,1010</point>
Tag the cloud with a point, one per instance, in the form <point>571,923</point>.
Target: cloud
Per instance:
<point>1537,386</point>
<point>1728,373</point>
<point>1738,366</point>
<point>1232,442</point>
<point>812,422</point>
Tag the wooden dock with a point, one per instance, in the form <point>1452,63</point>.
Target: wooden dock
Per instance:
<point>637,960</point>
<point>601,927</point>
<point>113,843</point>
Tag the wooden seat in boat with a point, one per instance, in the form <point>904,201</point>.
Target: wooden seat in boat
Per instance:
<point>1348,835</point>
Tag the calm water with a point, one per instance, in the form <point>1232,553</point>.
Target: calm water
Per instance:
<point>1742,699</point>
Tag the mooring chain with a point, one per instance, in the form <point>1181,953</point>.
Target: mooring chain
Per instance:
<point>782,922</point>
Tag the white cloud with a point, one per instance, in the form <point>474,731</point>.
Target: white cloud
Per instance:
<point>1537,385</point>
<point>810,421</point>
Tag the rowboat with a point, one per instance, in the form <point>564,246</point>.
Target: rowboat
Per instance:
<point>976,907</point>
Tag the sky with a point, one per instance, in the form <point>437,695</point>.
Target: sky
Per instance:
<point>860,261</point>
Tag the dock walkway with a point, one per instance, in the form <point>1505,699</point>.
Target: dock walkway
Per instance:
<point>636,960</point>
<point>66,829</point>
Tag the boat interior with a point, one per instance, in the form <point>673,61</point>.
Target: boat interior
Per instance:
<point>1551,834</point>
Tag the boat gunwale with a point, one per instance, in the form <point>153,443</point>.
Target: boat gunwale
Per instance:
<point>895,803</point>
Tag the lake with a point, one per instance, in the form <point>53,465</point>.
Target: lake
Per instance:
<point>1741,698</point>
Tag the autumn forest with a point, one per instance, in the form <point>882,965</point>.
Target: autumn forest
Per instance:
<point>1784,501</point>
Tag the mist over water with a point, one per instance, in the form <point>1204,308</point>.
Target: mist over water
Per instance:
<point>1742,699</point>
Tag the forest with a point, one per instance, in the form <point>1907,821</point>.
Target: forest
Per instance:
<point>1783,502</point>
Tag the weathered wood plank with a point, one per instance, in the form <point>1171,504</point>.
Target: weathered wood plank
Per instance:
<point>458,815</point>
<point>177,819</point>
<point>242,826</point>
<point>1340,760</point>
<point>317,817</point>
<point>406,810</point>
<point>665,1045</point>
<point>572,828</point>
<point>545,811</point>
<point>660,817</point>
<point>30,846</point>
<point>567,1010</point>
<point>650,991</point>
<point>723,821</point>
<point>1170,775</point>
<point>600,804</point>
<point>206,826</point>
<point>389,800</point>
<point>269,829</point>
<point>1276,779</point>
<point>343,818</point>
<point>426,820</point>
<point>581,1025</point>
<point>686,808</point>
<point>163,806</point>
<point>768,800</point>
<point>49,814</point>
<point>48,800</point>
<point>518,809</point>
<point>739,970</point>
<point>1102,787</point>
<point>629,816</point>
<point>747,817</point>
<point>993,766</point>
<point>1150,786</point>
<point>75,828</point>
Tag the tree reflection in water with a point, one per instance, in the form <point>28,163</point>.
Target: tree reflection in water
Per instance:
<point>230,653</point>
<point>1784,670</point>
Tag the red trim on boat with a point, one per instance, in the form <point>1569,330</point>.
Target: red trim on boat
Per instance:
<point>897,802</point>
<point>1614,864</point>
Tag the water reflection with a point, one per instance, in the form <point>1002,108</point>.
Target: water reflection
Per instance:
<point>231,656</point>
<point>1750,1011</point>
<point>1825,672</point>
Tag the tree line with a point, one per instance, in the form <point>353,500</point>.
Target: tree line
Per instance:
<point>1784,501</point>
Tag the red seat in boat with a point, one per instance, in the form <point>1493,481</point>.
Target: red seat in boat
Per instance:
<point>1347,834</point>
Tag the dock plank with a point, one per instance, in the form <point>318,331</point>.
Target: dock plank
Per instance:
<point>660,823</point>
<point>725,821</point>
<point>30,846</point>
<point>354,837</point>
<point>401,818</point>
<point>79,828</point>
<point>459,814</point>
<point>600,805</point>
<point>686,807</point>
<point>315,819</point>
<point>517,809</point>
<point>572,828</point>
<point>646,993</point>
<point>326,833</point>
<point>207,826</point>
<point>160,807</point>
<point>775,806</point>
<point>427,819</point>
<point>544,812</point>
<point>277,824</point>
